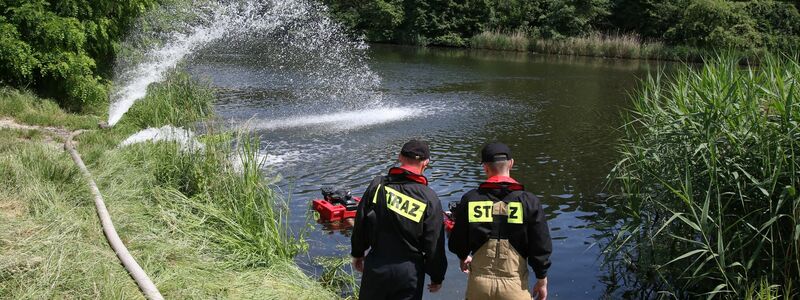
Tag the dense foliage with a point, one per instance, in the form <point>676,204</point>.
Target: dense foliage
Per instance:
<point>63,48</point>
<point>698,23</point>
<point>709,181</point>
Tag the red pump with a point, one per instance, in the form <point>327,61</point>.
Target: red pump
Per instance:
<point>339,205</point>
<point>336,205</point>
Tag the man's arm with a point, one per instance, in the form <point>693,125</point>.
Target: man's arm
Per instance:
<point>433,240</point>
<point>539,244</point>
<point>459,238</point>
<point>359,240</point>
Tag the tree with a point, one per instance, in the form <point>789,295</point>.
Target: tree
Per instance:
<point>53,46</point>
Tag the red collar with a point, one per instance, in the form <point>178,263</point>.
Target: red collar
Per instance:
<point>410,175</point>
<point>502,182</point>
<point>501,178</point>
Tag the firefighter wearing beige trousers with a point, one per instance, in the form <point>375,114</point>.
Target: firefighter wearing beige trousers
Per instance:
<point>500,229</point>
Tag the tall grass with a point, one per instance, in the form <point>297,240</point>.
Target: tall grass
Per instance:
<point>338,275</point>
<point>204,224</point>
<point>221,194</point>
<point>498,40</point>
<point>708,180</point>
<point>602,45</point>
<point>30,109</point>
<point>179,100</point>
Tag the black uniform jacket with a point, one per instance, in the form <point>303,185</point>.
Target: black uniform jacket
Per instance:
<point>401,217</point>
<point>525,226</point>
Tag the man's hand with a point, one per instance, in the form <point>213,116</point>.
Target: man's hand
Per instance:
<point>434,287</point>
<point>358,264</point>
<point>465,264</point>
<point>540,289</point>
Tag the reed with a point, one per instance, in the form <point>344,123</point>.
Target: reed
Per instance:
<point>601,45</point>
<point>499,40</point>
<point>708,180</point>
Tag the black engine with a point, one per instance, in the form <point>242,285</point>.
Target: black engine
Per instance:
<point>340,196</point>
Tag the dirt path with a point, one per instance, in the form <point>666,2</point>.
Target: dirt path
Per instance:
<point>54,136</point>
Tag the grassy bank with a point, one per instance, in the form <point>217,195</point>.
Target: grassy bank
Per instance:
<point>625,46</point>
<point>497,40</point>
<point>708,182</point>
<point>203,224</point>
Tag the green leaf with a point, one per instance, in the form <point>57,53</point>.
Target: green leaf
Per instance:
<point>687,254</point>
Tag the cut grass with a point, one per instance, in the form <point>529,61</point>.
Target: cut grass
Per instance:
<point>200,228</point>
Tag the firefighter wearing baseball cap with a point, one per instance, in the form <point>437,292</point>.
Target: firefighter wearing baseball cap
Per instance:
<point>499,230</point>
<point>399,228</point>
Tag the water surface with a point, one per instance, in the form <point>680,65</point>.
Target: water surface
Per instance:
<point>558,114</point>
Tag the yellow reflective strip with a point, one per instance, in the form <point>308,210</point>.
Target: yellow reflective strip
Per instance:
<point>515,212</point>
<point>480,211</point>
<point>375,196</point>
<point>405,205</point>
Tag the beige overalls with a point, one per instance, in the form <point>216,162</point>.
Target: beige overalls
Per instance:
<point>497,271</point>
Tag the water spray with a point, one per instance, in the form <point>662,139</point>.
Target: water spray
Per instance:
<point>290,37</point>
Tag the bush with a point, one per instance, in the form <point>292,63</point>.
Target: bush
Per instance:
<point>54,47</point>
<point>708,179</point>
<point>449,40</point>
<point>715,23</point>
<point>779,22</point>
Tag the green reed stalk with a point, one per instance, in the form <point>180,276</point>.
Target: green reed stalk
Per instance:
<point>708,179</point>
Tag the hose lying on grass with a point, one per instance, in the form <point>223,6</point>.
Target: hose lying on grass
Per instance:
<point>145,284</point>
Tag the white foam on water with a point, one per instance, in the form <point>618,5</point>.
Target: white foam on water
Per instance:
<point>342,120</point>
<point>185,138</point>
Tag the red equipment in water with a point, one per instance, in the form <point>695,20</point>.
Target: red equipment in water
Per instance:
<point>340,205</point>
<point>329,212</point>
<point>335,205</point>
<point>448,222</point>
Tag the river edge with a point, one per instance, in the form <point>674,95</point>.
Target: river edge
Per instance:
<point>595,45</point>
<point>53,246</point>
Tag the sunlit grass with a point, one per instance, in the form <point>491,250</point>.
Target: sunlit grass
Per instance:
<point>28,108</point>
<point>202,224</point>
<point>498,40</point>
<point>601,45</point>
<point>708,180</point>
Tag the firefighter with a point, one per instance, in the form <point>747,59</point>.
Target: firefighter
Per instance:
<point>499,228</point>
<point>398,235</point>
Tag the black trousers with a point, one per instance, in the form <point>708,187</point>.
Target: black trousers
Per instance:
<point>391,278</point>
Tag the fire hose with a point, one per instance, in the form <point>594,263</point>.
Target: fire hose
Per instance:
<point>146,285</point>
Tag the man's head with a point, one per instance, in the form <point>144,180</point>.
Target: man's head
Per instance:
<point>496,159</point>
<point>415,154</point>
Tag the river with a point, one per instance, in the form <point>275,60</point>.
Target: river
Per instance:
<point>558,114</point>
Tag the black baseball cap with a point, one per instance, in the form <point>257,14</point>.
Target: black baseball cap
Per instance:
<point>416,149</point>
<point>495,152</point>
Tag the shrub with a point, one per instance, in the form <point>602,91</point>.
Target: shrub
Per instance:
<point>709,179</point>
<point>449,40</point>
<point>54,47</point>
<point>778,21</point>
<point>715,23</point>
